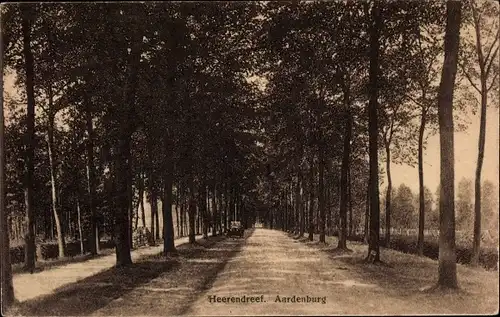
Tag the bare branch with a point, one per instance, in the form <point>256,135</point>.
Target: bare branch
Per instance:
<point>418,103</point>
<point>487,58</point>
<point>492,82</point>
<point>469,78</point>
<point>490,62</point>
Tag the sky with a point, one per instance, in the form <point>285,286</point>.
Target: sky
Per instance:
<point>466,148</point>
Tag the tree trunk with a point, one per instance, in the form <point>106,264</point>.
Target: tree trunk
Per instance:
<point>214,207</point>
<point>346,157</point>
<point>220,220</point>
<point>168,224</point>
<point>311,201</point>
<point>183,215</point>
<point>203,209</point>
<point>192,211</point>
<point>197,216</point>
<point>231,204</point>
<point>298,205</point>
<point>141,199</point>
<point>30,247</point>
<point>350,202</point>
<point>476,244</point>
<point>447,253</point>
<point>80,234</point>
<point>287,210</point>
<point>388,195</point>
<point>226,206</point>
<point>177,220</point>
<point>94,241</point>
<point>130,197</point>
<point>136,215</point>
<point>367,213</point>
<point>157,224</point>
<point>421,194</point>
<point>154,210</point>
<point>122,210</point>
<point>321,194</point>
<point>7,294</point>
<point>373,248</point>
<point>302,209</point>
<point>53,180</point>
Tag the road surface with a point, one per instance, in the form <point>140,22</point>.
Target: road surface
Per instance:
<point>266,273</point>
<point>292,279</point>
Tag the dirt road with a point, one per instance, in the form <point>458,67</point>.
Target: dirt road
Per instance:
<point>269,273</point>
<point>290,278</point>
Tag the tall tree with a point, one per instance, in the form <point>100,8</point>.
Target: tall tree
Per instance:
<point>5,265</point>
<point>374,30</point>
<point>28,16</point>
<point>447,272</point>
<point>484,20</point>
<point>427,52</point>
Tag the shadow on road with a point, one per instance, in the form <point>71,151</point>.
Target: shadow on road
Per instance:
<point>121,289</point>
<point>210,275</point>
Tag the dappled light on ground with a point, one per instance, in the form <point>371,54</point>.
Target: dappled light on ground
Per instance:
<point>290,278</point>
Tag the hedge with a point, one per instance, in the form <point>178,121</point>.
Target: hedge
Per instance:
<point>50,250</point>
<point>408,244</point>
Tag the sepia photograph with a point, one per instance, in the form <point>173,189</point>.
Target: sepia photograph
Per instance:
<point>250,158</point>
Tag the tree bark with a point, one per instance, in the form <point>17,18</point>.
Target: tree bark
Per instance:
<point>168,224</point>
<point>122,216</point>
<point>53,179</point>
<point>350,202</point>
<point>476,244</point>
<point>192,212</point>
<point>141,198</point>
<point>154,210</point>
<point>231,204</point>
<point>182,211</point>
<point>298,205</point>
<point>94,240</point>
<point>421,195</point>
<point>374,248</point>
<point>367,213</point>
<point>220,220</point>
<point>388,195</point>
<point>311,201</point>
<point>6,285</point>
<point>130,199</point>
<point>226,205</point>
<point>203,209</point>
<point>177,218</point>
<point>80,234</point>
<point>215,213</point>
<point>321,194</point>
<point>346,157</point>
<point>157,225</point>
<point>447,253</point>
<point>302,209</point>
<point>30,247</point>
